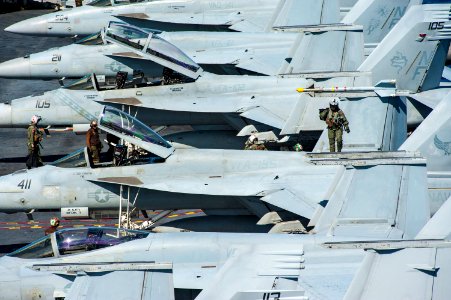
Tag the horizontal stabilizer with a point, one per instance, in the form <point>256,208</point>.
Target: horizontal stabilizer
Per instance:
<point>307,12</point>
<point>339,50</point>
<point>260,113</point>
<point>293,123</point>
<point>431,98</point>
<point>153,285</point>
<point>290,202</point>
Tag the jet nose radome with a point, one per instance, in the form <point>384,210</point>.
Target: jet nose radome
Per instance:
<point>5,115</point>
<point>33,26</point>
<point>15,68</point>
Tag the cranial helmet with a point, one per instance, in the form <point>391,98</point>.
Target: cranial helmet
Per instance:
<point>35,119</point>
<point>93,123</point>
<point>54,221</point>
<point>333,102</point>
<point>298,147</point>
<point>252,138</point>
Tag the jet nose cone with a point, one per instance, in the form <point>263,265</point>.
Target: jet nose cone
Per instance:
<point>5,115</point>
<point>33,26</point>
<point>15,68</point>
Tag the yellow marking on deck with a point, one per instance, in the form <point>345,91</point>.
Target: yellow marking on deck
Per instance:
<point>12,228</point>
<point>190,213</point>
<point>78,225</point>
<point>11,223</point>
<point>139,221</point>
<point>173,216</point>
<point>35,227</point>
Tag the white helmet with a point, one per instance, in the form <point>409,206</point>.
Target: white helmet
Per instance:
<point>333,102</point>
<point>35,119</point>
<point>252,138</point>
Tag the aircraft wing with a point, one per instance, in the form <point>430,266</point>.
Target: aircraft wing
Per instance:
<point>291,113</point>
<point>258,270</point>
<point>297,191</point>
<point>178,18</point>
<point>236,21</point>
<point>97,281</point>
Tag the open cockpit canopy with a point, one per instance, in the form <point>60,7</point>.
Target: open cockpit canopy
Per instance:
<point>76,240</point>
<point>75,159</point>
<point>148,46</point>
<point>130,129</point>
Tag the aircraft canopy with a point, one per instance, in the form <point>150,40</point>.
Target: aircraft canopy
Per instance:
<point>76,240</point>
<point>154,48</point>
<point>126,127</point>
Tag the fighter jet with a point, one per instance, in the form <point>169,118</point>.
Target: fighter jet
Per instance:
<point>237,101</point>
<point>224,52</point>
<point>217,181</point>
<point>234,15</point>
<point>331,264</point>
<point>221,53</point>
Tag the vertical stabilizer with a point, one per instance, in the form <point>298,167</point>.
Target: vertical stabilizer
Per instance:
<point>301,13</point>
<point>336,50</point>
<point>433,137</point>
<point>377,201</point>
<point>417,269</point>
<point>414,52</point>
<point>378,17</point>
<point>439,226</point>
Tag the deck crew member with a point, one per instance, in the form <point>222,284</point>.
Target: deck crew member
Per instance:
<point>336,121</point>
<point>93,142</point>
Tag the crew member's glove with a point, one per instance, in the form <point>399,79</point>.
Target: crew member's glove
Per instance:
<point>347,129</point>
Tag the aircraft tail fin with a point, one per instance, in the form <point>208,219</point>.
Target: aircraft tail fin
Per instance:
<point>417,270</point>
<point>377,17</point>
<point>414,52</point>
<point>301,13</point>
<point>433,137</point>
<point>439,226</point>
<point>361,203</point>
<point>308,53</point>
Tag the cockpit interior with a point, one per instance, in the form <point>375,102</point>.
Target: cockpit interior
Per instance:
<point>77,240</point>
<point>120,152</point>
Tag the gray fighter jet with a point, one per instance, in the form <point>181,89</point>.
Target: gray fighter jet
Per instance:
<point>408,260</point>
<point>224,52</point>
<point>218,52</point>
<point>235,15</point>
<point>217,181</point>
<point>237,101</point>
